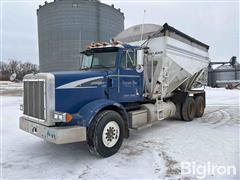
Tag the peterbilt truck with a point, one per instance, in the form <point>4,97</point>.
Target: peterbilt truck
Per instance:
<point>147,74</point>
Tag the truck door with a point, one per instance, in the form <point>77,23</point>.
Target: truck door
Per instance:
<point>130,81</point>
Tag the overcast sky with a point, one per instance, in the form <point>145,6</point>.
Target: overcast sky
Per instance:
<point>214,23</point>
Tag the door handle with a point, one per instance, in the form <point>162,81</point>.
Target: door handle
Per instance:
<point>112,82</point>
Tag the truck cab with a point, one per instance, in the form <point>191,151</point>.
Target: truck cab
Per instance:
<point>124,83</point>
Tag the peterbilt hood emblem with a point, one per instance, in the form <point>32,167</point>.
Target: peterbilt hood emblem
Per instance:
<point>34,76</point>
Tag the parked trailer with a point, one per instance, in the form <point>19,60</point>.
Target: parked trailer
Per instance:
<point>121,86</point>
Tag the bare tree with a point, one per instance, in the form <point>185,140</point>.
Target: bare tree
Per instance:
<point>27,68</point>
<point>14,66</point>
<point>4,72</point>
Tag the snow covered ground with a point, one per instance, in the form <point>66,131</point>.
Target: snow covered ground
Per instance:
<point>153,153</point>
<point>11,88</point>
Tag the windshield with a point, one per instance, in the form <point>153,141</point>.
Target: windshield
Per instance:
<point>99,59</point>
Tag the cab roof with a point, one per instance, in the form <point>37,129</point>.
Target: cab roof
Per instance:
<point>114,45</point>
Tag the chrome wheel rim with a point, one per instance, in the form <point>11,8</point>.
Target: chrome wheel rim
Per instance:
<point>110,134</point>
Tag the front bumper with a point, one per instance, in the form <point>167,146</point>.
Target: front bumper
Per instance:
<point>57,135</point>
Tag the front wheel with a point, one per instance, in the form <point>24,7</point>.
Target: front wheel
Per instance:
<point>106,133</point>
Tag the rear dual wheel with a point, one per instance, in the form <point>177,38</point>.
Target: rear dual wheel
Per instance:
<point>191,107</point>
<point>200,106</point>
<point>188,109</point>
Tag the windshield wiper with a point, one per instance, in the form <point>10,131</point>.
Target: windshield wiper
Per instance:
<point>101,66</point>
<point>85,68</point>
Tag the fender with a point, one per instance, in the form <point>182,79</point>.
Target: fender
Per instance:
<point>90,110</point>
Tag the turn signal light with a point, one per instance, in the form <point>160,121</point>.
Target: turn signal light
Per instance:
<point>68,117</point>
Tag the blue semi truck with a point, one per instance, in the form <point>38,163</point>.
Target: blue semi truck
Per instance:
<point>119,87</point>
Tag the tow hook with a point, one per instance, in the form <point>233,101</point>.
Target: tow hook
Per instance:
<point>34,130</point>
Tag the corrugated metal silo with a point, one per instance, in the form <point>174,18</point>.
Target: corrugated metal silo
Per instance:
<point>226,73</point>
<point>65,27</point>
<point>221,75</point>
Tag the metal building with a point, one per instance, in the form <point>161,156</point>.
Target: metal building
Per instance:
<point>66,27</point>
<point>227,73</point>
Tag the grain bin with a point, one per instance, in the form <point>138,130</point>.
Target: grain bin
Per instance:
<point>65,27</point>
<point>227,73</point>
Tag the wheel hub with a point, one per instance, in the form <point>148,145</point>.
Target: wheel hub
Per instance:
<point>110,134</point>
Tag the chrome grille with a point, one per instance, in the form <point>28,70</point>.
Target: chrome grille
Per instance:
<point>34,99</point>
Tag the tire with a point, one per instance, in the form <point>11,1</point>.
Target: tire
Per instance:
<point>105,136</point>
<point>199,101</point>
<point>178,114</point>
<point>188,109</point>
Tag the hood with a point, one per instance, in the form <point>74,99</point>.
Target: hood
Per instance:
<point>70,79</point>
<point>74,89</point>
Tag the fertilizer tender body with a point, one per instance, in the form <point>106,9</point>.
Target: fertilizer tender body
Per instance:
<point>147,77</point>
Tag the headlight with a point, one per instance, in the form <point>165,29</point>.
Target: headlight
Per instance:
<point>62,117</point>
<point>55,116</point>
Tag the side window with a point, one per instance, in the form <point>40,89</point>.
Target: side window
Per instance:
<point>129,59</point>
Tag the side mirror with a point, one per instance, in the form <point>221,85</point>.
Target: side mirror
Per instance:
<point>140,58</point>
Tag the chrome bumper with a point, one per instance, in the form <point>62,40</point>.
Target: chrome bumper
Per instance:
<point>57,135</point>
